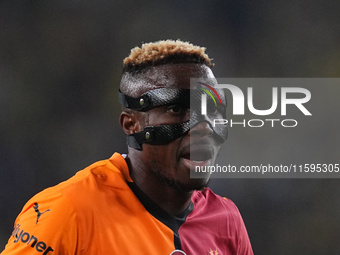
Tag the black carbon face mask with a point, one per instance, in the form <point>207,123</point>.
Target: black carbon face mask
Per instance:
<point>185,99</point>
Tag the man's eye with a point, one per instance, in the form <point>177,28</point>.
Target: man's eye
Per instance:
<point>175,109</point>
<point>213,110</point>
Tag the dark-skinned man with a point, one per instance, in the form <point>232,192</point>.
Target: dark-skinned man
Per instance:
<point>144,202</point>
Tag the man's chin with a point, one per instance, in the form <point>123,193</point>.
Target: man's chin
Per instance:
<point>191,185</point>
<point>189,188</point>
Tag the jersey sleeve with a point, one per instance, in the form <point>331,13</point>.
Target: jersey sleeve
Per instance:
<point>244,246</point>
<point>46,225</point>
<point>243,242</point>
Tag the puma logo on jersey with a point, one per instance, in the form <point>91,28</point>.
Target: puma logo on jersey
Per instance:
<point>35,207</point>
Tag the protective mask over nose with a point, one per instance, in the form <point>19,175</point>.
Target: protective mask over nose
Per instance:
<point>183,98</point>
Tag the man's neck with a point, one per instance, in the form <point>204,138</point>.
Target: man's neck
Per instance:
<point>168,198</point>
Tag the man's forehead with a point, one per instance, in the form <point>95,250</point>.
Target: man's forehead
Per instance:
<point>168,76</point>
<point>176,75</point>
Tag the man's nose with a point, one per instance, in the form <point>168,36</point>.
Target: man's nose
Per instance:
<point>202,128</point>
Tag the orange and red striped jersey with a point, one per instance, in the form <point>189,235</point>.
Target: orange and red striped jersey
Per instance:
<point>101,211</point>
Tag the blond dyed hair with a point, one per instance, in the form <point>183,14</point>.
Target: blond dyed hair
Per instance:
<point>165,52</point>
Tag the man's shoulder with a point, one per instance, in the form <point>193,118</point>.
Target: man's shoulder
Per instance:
<point>87,183</point>
<point>209,201</point>
<point>216,221</point>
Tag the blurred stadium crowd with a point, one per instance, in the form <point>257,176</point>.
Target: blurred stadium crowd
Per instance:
<point>60,65</point>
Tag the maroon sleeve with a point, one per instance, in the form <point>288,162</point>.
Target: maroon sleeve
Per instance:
<point>214,227</point>
<point>243,246</point>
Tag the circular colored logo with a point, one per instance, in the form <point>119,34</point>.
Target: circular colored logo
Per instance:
<point>178,252</point>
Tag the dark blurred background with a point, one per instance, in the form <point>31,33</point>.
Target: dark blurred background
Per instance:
<point>60,65</point>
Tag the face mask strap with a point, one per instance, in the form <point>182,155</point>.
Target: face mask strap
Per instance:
<point>154,98</point>
<point>164,134</point>
<point>158,135</point>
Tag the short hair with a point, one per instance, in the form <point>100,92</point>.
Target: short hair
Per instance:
<point>165,52</point>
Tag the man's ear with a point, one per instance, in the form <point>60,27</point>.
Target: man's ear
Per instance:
<point>129,122</point>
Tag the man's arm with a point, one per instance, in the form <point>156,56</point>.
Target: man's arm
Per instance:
<point>46,225</point>
<point>244,246</point>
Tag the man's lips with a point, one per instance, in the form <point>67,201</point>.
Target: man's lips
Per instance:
<point>197,155</point>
